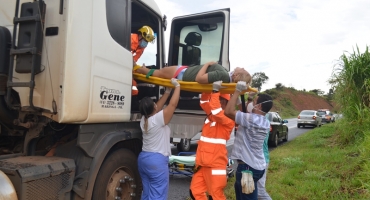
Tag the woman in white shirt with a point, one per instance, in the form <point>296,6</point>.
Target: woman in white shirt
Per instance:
<point>153,160</point>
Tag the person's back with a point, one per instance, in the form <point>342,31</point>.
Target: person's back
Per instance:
<point>211,156</point>
<point>248,143</point>
<point>154,157</point>
<point>157,138</point>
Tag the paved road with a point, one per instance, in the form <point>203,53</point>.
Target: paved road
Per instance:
<point>179,184</point>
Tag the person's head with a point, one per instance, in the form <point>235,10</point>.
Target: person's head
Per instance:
<point>262,104</point>
<point>240,74</point>
<point>224,98</point>
<point>147,108</point>
<point>146,35</point>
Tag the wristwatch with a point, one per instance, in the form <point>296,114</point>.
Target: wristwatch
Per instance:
<point>214,91</point>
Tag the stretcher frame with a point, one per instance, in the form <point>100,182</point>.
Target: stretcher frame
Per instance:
<point>228,88</point>
<point>177,166</point>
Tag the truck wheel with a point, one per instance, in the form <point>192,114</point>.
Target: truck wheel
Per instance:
<point>184,145</point>
<point>118,177</point>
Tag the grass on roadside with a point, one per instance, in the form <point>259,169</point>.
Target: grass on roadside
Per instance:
<point>314,166</point>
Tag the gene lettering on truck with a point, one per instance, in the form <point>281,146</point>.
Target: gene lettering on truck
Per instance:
<point>111,98</point>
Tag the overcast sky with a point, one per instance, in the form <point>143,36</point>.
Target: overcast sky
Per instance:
<point>294,42</point>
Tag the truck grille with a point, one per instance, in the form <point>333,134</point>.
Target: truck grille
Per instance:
<point>47,188</point>
<point>40,177</point>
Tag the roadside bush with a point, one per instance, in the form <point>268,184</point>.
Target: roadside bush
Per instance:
<point>351,80</point>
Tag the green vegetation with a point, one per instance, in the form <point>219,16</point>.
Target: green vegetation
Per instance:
<point>331,162</point>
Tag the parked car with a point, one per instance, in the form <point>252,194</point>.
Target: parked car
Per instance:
<point>278,129</point>
<point>326,115</point>
<point>309,118</point>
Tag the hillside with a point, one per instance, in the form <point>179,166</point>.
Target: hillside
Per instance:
<point>289,102</point>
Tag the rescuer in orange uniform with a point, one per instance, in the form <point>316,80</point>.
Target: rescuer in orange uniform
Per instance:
<point>211,157</point>
<point>139,41</point>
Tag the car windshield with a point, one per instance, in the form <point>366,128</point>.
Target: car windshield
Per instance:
<point>307,113</point>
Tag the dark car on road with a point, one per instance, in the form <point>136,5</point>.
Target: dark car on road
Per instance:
<point>278,129</point>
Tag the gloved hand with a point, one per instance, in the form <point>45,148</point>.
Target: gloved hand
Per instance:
<point>244,183</point>
<point>174,82</point>
<point>168,90</point>
<point>217,85</point>
<point>247,182</point>
<point>241,85</point>
<point>250,183</point>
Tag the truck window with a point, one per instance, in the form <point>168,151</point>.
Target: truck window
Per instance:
<point>142,16</point>
<point>118,20</point>
<point>197,41</point>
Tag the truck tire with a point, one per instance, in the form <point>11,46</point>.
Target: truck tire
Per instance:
<point>118,177</point>
<point>184,145</point>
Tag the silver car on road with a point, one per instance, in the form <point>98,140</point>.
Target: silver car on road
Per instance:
<point>309,118</point>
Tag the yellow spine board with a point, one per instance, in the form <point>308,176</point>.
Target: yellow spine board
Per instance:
<point>228,88</point>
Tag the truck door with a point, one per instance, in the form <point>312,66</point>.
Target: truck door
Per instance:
<point>199,38</point>
<point>194,40</point>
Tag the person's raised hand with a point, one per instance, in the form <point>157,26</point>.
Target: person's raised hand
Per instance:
<point>174,82</point>
<point>217,85</point>
<point>240,86</point>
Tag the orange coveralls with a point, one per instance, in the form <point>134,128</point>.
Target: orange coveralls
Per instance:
<point>211,153</point>
<point>135,48</point>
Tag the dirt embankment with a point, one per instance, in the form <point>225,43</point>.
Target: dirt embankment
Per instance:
<point>299,100</point>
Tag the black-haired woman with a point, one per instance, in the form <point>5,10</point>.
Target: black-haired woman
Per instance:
<point>153,160</point>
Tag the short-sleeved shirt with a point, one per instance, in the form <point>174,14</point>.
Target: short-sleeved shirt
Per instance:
<point>248,143</point>
<point>215,72</point>
<point>157,139</point>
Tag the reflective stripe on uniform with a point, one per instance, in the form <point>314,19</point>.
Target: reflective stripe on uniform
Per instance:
<point>216,111</point>
<point>213,124</point>
<point>134,88</point>
<point>202,102</point>
<point>213,140</point>
<point>207,121</point>
<point>218,172</point>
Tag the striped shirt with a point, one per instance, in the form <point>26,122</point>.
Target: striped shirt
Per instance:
<point>248,143</point>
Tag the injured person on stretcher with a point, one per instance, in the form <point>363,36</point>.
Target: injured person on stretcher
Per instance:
<point>203,74</point>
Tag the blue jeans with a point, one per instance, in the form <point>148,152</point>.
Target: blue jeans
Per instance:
<point>153,169</point>
<point>257,174</point>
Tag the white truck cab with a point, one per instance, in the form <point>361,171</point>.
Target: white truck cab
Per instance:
<point>69,125</point>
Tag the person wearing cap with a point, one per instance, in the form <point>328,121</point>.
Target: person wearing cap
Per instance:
<point>248,143</point>
<point>211,156</point>
<point>139,41</point>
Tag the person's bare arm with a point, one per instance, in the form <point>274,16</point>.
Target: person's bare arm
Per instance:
<point>163,99</point>
<point>170,108</point>
<point>230,111</point>
<point>202,76</point>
